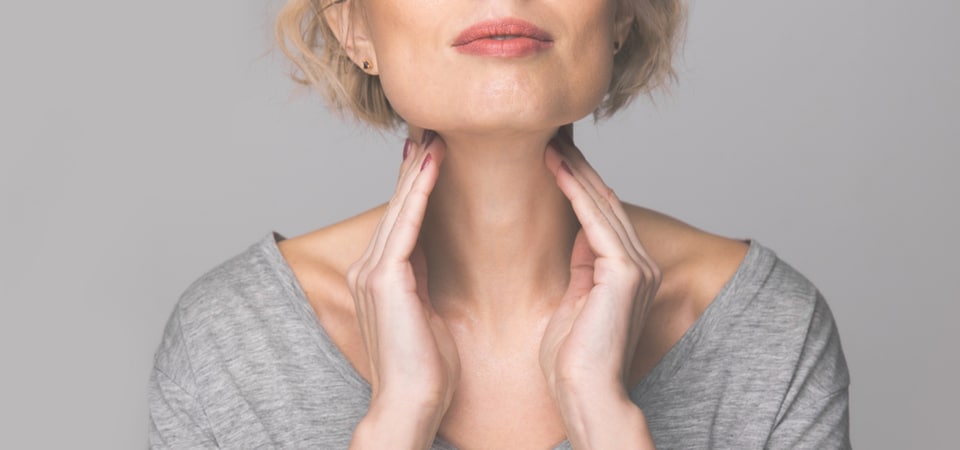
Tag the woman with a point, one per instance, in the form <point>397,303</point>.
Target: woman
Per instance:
<point>505,297</point>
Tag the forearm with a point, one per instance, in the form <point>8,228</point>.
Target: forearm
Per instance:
<point>601,421</point>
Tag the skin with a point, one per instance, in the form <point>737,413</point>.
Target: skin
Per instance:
<point>505,297</point>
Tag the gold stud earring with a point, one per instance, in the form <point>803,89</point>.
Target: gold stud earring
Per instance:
<point>366,65</point>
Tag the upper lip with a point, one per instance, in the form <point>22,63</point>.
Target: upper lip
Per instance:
<point>501,27</point>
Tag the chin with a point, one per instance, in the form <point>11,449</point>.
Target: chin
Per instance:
<point>493,99</point>
<point>497,114</point>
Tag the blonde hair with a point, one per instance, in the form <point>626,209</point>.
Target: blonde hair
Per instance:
<point>643,64</point>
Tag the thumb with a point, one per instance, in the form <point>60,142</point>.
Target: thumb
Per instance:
<point>419,264</point>
<point>581,266</point>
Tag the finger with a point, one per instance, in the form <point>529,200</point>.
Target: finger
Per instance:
<point>408,178</point>
<point>405,231</point>
<point>637,309</point>
<point>583,168</point>
<point>603,239</point>
<point>360,271</point>
<point>411,154</point>
<point>581,266</point>
<point>419,262</point>
<point>604,195</point>
<point>631,328</point>
<point>604,230</point>
<point>648,270</point>
<point>595,187</point>
<point>412,149</point>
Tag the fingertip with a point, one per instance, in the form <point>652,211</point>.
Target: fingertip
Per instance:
<point>439,149</point>
<point>406,147</point>
<point>427,138</point>
<point>426,161</point>
<point>434,145</point>
<point>552,156</point>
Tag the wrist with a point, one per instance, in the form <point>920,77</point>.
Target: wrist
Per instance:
<point>603,418</point>
<point>591,393</point>
<point>396,425</point>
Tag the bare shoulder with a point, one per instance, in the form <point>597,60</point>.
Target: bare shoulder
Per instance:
<point>695,264</point>
<point>320,259</point>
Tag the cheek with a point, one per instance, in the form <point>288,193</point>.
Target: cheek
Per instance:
<point>591,52</point>
<point>411,73</point>
<point>417,92</point>
<point>591,70</point>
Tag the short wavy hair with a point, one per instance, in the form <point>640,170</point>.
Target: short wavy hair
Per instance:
<point>643,64</point>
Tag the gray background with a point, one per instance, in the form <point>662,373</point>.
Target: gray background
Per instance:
<point>145,142</point>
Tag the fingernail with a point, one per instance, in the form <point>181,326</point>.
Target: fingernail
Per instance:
<point>426,161</point>
<point>406,148</point>
<point>427,138</point>
<point>565,167</point>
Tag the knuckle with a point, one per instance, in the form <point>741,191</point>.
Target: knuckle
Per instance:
<point>355,276</point>
<point>651,274</point>
<point>608,193</point>
<point>629,265</point>
<point>634,274</point>
<point>656,273</point>
<point>392,204</point>
<point>364,278</point>
<point>353,271</point>
<point>377,282</point>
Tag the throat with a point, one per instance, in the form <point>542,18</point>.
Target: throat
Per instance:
<point>498,232</point>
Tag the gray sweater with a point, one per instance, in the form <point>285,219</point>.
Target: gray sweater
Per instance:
<point>244,363</point>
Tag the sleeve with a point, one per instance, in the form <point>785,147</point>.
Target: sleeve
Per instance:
<point>815,411</point>
<point>177,418</point>
<point>822,424</point>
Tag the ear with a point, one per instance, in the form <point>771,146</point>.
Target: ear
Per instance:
<point>621,25</point>
<point>350,28</point>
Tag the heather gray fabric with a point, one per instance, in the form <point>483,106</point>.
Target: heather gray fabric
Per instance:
<point>244,363</point>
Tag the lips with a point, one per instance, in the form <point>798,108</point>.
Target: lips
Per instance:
<point>502,37</point>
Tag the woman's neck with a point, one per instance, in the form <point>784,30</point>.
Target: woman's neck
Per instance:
<point>498,232</point>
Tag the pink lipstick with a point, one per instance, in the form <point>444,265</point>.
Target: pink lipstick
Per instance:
<point>503,38</point>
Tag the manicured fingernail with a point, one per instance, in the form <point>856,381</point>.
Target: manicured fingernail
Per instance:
<point>426,161</point>
<point>427,138</point>
<point>406,148</point>
<point>565,167</point>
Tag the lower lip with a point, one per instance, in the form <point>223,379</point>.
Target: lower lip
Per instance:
<point>507,48</point>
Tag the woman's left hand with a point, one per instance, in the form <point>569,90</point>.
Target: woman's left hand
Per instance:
<point>590,341</point>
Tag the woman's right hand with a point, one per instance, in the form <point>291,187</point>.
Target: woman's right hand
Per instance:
<point>414,365</point>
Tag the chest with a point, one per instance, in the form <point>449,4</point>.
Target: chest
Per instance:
<point>502,400</point>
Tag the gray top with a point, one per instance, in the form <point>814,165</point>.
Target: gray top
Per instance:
<point>244,363</point>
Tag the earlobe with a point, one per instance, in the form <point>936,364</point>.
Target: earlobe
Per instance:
<point>348,26</point>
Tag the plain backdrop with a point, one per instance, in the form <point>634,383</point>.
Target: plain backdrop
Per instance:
<point>145,142</point>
